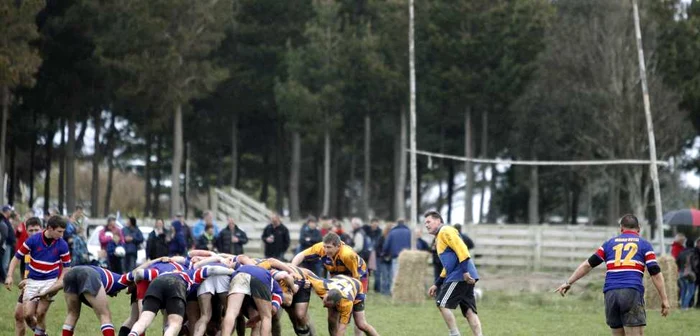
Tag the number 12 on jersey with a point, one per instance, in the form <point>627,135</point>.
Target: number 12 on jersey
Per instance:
<point>630,249</point>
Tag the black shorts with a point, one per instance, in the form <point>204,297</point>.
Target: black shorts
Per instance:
<point>358,307</point>
<point>166,292</point>
<point>82,279</point>
<point>458,293</point>
<point>303,295</point>
<point>624,307</point>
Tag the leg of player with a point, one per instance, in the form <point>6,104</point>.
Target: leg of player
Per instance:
<point>174,325</point>
<point>20,329</point>
<point>193,314</point>
<point>144,321</point>
<point>634,331</point>
<point>618,331</point>
<point>233,308</point>
<point>101,309</point>
<point>264,308</point>
<point>30,312</point>
<point>133,317</point>
<point>298,315</point>
<point>362,325</point>
<point>73,306</point>
<point>276,327</point>
<point>205,313</point>
<point>449,318</point>
<point>474,322</point>
<point>41,309</point>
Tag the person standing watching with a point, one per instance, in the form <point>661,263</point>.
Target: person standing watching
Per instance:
<point>7,238</point>
<point>133,238</point>
<point>626,257</point>
<point>231,239</point>
<point>157,243</point>
<point>276,239</point>
<point>399,239</point>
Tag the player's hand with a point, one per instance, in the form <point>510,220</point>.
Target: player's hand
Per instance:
<point>8,282</point>
<point>563,289</point>
<point>665,308</point>
<point>165,259</point>
<point>468,278</point>
<point>22,284</point>
<point>432,291</point>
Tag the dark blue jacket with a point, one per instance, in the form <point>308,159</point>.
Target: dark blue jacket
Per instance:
<point>132,247</point>
<point>178,245</point>
<point>399,239</point>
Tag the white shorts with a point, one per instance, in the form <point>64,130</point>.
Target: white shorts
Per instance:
<point>36,287</point>
<point>240,284</point>
<point>215,284</point>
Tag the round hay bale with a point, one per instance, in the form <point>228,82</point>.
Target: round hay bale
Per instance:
<point>409,283</point>
<point>670,271</point>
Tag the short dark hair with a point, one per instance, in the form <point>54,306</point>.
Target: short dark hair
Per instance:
<point>334,296</point>
<point>78,207</point>
<point>331,238</point>
<point>374,220</point>
<point>132,220</point>
<point>57,222</point>
<point>629,221</point>
<point>33,221</point>
<point>311,219</point>
<point>433,214</point>
<point>458,227</point>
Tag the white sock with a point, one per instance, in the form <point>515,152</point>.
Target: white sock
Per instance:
<point>455,332</point>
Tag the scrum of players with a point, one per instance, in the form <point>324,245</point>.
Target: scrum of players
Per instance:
<point>205,293</point>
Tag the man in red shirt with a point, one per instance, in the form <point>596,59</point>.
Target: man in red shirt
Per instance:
<point>678,245</point>
<point>21,234</point>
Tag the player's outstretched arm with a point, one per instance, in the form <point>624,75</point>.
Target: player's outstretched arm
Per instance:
<point>659,283</point>
<point>148,264</point>
<point>298,259</point>
<point>200,253</point>
<point>579,273</point>
<point>207,261</point>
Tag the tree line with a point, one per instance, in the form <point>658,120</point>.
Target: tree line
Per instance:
<point>304,103</point>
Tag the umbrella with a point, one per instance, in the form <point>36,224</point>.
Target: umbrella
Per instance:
<point>684,217</point>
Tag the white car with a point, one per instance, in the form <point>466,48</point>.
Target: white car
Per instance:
<point>94,247</point>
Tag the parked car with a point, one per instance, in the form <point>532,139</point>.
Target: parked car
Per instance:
<point>94,247</point>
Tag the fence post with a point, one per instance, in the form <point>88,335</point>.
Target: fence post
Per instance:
<point>537,260</point>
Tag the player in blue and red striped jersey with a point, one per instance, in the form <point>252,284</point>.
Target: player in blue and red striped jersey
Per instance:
<point>48,254</point>
<point>161,265</point>
<point>169,291</point>
<point>256,283</point>
<point>626,257</point>
<point>91,285</point>
<point>32,227</point>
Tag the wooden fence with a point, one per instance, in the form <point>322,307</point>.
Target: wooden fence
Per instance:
<point>527,247</point>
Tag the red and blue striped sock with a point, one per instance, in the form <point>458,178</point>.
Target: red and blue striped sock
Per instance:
<point>107,329</point>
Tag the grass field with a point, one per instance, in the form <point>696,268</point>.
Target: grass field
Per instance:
<point>501,313</point>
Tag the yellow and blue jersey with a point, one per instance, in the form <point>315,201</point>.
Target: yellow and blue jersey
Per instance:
<point>350,288</point>
<point>345,262</point>
<point>454,255</point>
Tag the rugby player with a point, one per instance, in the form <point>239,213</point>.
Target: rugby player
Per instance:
<point>169,291</point>
<point>342,296</point>
<point>626,257</point>
<point>48,253</point>
<point>253,291</point>
<point>455,285</point>
<point>32,226</point>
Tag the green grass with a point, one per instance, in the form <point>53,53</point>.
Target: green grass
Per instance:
<point>501,313</point>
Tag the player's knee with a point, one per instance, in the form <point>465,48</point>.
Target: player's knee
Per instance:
<point>19,314</point>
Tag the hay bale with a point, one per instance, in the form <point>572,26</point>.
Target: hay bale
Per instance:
<point>670,272</point>
<point>409,284</point>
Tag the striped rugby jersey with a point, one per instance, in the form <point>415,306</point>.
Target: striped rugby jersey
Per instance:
<point>45,260</point>
<point>265,277</point>
<point>111,281</point>
<point>345,262</point>
<point>626,257</point>
<point>192,277</point>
